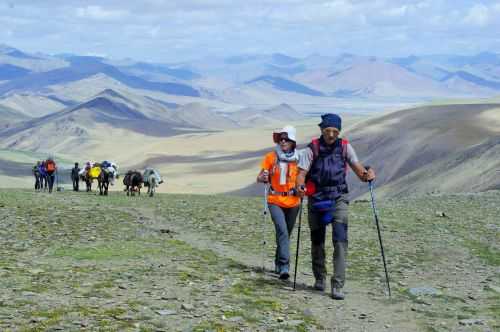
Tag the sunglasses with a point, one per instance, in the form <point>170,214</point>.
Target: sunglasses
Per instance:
<point>281,137</point>
<point>284,139</point>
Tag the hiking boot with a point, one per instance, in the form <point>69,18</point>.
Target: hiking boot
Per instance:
<point>284,274</point>
<point>337,293</point>
<point>319,284</point>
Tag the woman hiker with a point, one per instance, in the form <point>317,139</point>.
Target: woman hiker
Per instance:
<point>279,168</point>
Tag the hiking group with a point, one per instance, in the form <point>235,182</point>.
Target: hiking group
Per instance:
<point>45,172</point>
<point>318,172</point>
<point>105,173</point>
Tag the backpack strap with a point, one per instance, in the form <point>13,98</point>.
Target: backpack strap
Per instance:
<point>344,142</point>
<point>315,148</point>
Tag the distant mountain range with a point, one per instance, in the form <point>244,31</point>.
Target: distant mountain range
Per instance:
<point>345,76</point>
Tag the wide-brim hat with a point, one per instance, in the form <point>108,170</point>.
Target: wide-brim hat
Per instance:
<point>290,132</point>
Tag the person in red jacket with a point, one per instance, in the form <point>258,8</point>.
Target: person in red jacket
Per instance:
<point>51,168</point>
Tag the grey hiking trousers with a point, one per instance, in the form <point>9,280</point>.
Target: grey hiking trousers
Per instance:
<point>340,241</point>
<point>284,220</point>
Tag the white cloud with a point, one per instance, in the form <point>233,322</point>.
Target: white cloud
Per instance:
<point>340,7</point>
<point>99,13</point>
<point>396,12</point>
<point>225,27</point>
<point>478,15</point>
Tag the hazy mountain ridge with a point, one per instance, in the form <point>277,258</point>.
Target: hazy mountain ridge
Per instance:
<point>84,67</point>
<point>138,114</point>
<point>345,75</point>
<point>347,80</point>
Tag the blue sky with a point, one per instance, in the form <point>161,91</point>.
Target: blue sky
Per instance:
<point>165,31</point>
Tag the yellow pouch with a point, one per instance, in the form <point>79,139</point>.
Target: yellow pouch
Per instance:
<point>94,172</point>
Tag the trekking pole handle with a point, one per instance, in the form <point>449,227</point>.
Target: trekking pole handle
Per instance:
<point>367,167</point>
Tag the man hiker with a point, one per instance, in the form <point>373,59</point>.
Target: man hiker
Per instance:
<point>75,176</point>
<point>36,174</point>
<point>322,176</point>
<point>50,167</point>
<point>279,168</point>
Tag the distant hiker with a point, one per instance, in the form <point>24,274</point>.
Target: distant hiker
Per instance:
<point>279,167</point>
<point>75,177</point>
<point>36,174</point>
<point>51,168</point>
<point>323,168</point>
<point>43,175</point>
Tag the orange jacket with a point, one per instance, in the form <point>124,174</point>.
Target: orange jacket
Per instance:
<point>270,163</point>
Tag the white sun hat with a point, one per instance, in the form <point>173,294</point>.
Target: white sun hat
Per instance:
<point>290,131</point>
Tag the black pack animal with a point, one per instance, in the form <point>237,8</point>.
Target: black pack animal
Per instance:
<point>103,181</point>
<point>133,182</point>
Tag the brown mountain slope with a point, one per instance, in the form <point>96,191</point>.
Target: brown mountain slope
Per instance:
<point>92,121</point>
<point>32,105</point>
<point>250,117</point>
<point>9,116</point>
<point>201,116</point>
<point>451,148</point>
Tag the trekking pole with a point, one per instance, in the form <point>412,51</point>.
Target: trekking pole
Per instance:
<point>264,217</point>
<point>370,185</point>
<point>298,244</point>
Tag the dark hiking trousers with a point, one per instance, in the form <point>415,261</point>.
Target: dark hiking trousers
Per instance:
<point>318,234</point>
<point>43,182</point>
<point>284,220</point>
<point>50,180</point>
<point>38,184</point>
<point>75,184</point>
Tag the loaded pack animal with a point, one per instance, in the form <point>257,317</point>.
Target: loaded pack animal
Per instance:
<point>133,183</point>
<point>90,173</point>
<point>107,176</point>
<point>103,182</point>
<point>152,179</point>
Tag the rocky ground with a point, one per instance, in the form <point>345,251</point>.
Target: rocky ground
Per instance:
<point>78,261</point>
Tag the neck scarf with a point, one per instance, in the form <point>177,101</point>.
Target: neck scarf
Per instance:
<point>283,159</point>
